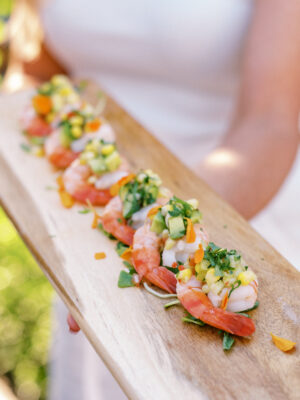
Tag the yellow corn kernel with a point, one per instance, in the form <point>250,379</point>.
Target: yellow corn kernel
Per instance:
<point>76,131</point>
<point>246,277</point>
<point>65,91</point>
<point>194,203</point>
<point>169,244</point>
<point>60,80</point>
<point>76,120</point>
<point>38,151</point>
<point>184,275</point>
<point>210,277</point>
<point>50,117</point>
<point>107,149</point>
<point>82,161</point>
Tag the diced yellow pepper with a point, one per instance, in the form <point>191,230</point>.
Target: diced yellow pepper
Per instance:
<point>38,151</point>
<point>246,277</point>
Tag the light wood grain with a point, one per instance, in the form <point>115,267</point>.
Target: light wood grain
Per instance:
<point>152,354</point>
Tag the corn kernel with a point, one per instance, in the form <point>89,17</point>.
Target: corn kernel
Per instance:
<point>38,151</point>
<point>76,120</point>
<point>184,275</point>
<point>107,149</point>
<point>246,277</point>
<point>169,244</point>
<point>76,131</point>
<point>50,117</point>
<point>194,203</point>
<point>211,277</point>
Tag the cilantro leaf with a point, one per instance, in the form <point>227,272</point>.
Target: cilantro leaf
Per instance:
<point>121,247</point>
<point>109,235</point>
<point>84,211</point>
<point>192,320</point>
<point>228,341</point>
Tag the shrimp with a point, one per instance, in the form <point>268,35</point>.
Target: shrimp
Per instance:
<point>57,154</point>
<point>76,182</point>
<point>241,299</point>
<point>199,306</point>
<point>113,221</point>
<point>182,250</point>
<point>75,179</point>
<point>146,259</point>
<point>34,125</point>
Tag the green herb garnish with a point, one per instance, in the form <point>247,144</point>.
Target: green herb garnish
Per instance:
<point>25,147</point>
<point>84,211</point>
<point>107,234</point>
<point>228,341</point>
<point>121,247</point>
<point>192,320</point>
<point>125,280</point>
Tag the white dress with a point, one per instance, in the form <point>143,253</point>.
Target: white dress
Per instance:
<point>174,65</point>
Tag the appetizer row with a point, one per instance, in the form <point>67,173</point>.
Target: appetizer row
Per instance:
<point>160,236</point>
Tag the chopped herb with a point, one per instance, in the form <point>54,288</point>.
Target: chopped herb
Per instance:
<point>119,220</point>
<point>220,258</point>
<point>244,314</point>
<point>174,270</point>
<point>262,259</point>
<point>125,280</point>
<point>121,247</point>
<point>228,341</point>
<point>225,226</point>
<point>130,267</point>
<point>50,187</point>
<point>172,303</point>
<point>192,320</point>
<point>109,235</point>
<point>84,211</point>
<point>234,286</point>
<point>25,147</point>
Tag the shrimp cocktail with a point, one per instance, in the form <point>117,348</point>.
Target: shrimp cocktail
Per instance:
<point>90,177</point>
<point>49,102</point>
<point>135,196</point>
<point>75,130</point>
<point>215,285</point>
<point>170,235</point>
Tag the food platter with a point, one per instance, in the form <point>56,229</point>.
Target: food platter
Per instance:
<point>148,349</point>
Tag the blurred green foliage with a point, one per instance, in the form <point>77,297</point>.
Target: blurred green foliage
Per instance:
<point>25,315</point>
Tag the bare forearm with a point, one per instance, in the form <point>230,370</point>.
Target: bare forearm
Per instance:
<point>257,152</point>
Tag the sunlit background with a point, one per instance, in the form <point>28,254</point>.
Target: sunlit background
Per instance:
<point>25,294</point>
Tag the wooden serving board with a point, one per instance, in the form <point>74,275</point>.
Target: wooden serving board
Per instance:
<point>151,353</point>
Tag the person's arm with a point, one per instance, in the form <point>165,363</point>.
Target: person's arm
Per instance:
<point>258,151</point>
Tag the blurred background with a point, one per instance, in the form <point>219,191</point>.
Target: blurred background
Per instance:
<point>25,293</point>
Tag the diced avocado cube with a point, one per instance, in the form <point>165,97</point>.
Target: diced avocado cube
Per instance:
<point>176,227</point>
<point>97,165</point>
<point>65,137</point>
<point>196,216</point>
<point>123,192</point>
<point>158,223</point>
<point>129,208</point>
<point>113,161</point>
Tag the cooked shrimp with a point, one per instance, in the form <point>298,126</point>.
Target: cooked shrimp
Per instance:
<point>181,251</point>
<point>241,299</point>
<point>114,222</point>
<point>199,306</point>
<point>146,259</point>
<point>75,180</point>
<point>57,154</point>
<point>34,125</point>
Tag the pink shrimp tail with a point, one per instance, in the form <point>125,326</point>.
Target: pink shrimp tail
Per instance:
<point>198,305</point>
<point>38,127</point>
<point>95,196</point>
<point>163,278</point>
<point>62,157</point>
